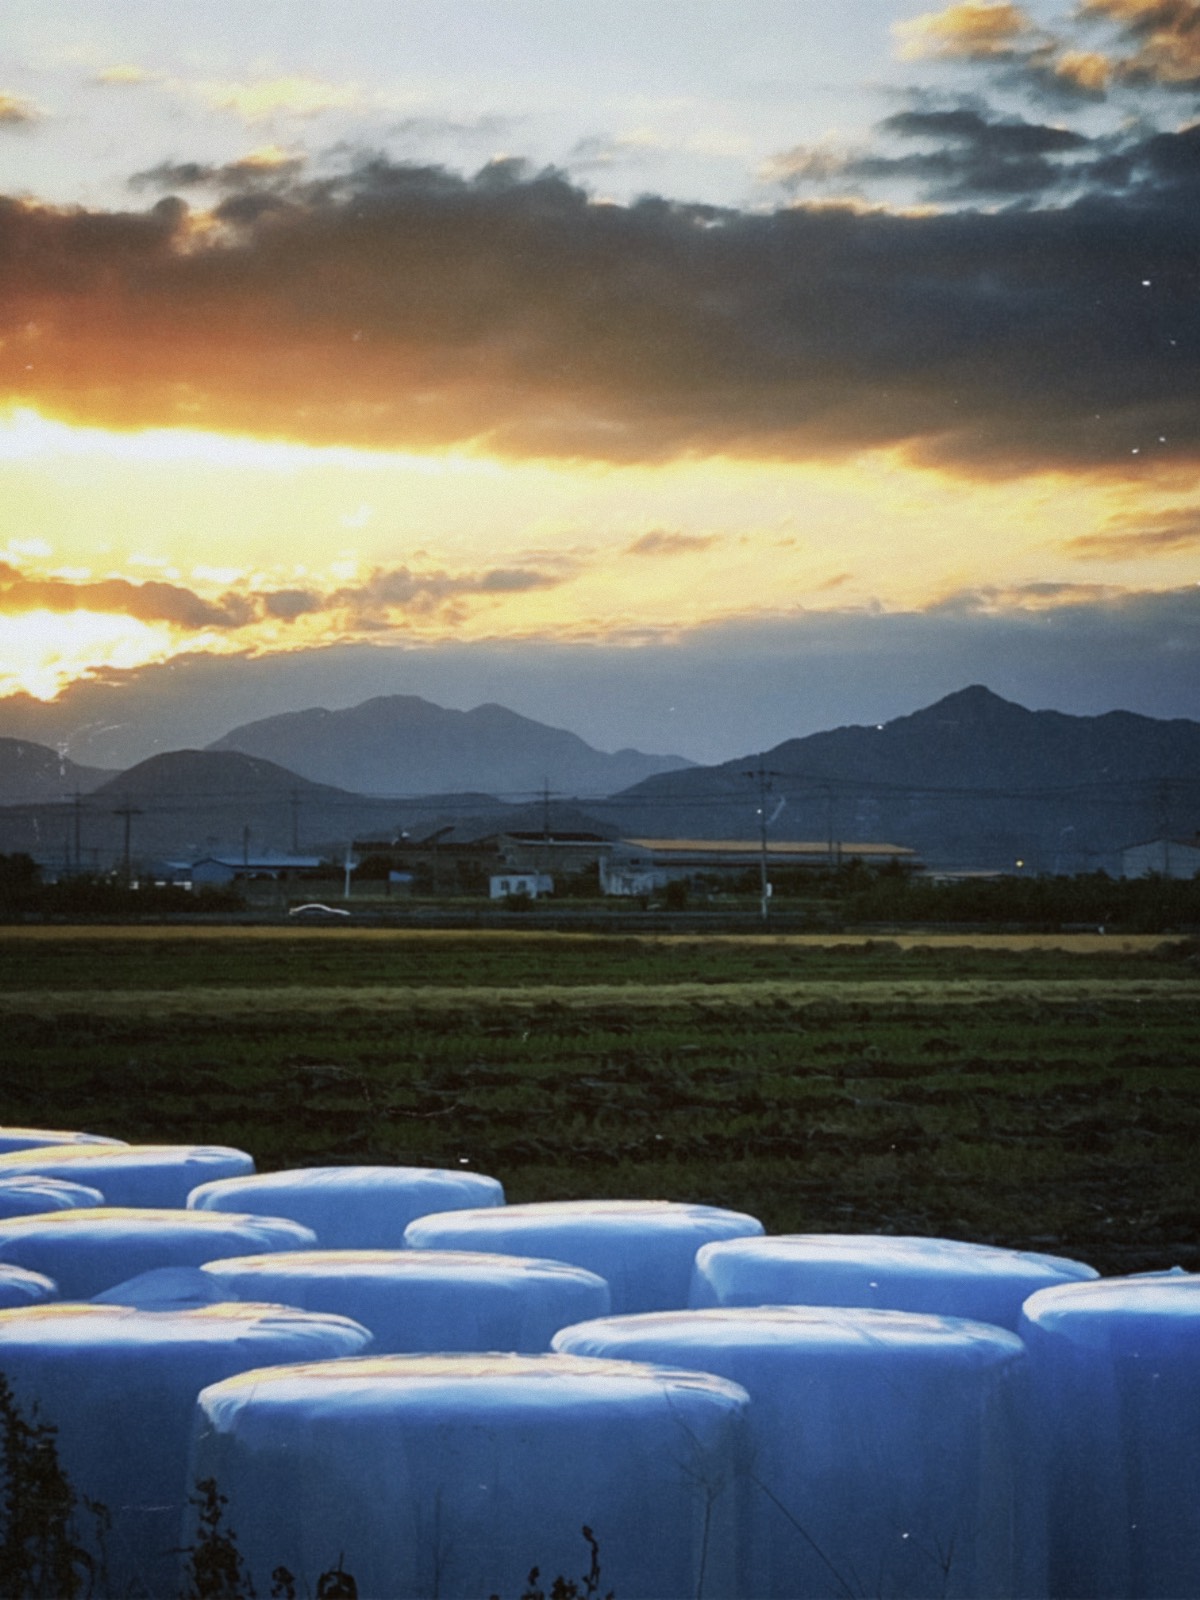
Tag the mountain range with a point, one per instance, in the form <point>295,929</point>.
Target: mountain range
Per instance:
<point>971,781</point>
<point>32,772</point>
<point>402,745</point>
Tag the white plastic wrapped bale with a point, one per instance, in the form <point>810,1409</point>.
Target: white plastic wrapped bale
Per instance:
<point>940,1277</point>
<point>425,1300</point>
<point>19,1287</point>
<point>1116,1368</point>
<point>644,1248</point>
<point>27,1197</point>
<point>86,1252</point>
<point>454,1475</point>
<point>886,1447</point>
<point>132,1174</point>
<point>30,1138</point>
<point>352,1208</point>
<point>120,1388</point>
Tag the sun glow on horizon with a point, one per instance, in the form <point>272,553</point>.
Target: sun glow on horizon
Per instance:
<point>41,652</point>
<point>29,435</point>
<point>182,540</point>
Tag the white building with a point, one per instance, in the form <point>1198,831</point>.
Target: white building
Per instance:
<point>529,885</point>
<point>1170,858</point>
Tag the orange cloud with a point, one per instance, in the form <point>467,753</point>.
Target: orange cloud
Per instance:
<point>15,111</point>
<point>1087,70</point>
<point>1167,35</point>
<point>971,30</point>
<point>124,76</point>
<point>667,542</point>
<point>152,601</point>
<point>296,96</point>
<point>1131,536</point>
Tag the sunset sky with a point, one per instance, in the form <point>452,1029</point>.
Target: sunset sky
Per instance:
<point>688,375</point>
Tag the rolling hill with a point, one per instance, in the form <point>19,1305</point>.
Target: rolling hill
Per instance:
<point>971,781</point>
<point>403,745</point>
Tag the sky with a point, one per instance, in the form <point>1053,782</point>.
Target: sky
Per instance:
<point>693,376</point>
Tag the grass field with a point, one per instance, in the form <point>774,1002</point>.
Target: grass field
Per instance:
<point>1042,1092</point>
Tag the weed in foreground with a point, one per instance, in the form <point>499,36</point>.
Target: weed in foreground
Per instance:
<point>215,1569</point>
<point>587,1587</point>
<point>41,1553</point>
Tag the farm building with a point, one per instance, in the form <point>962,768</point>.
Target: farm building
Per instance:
<point>1170,858</point>
<point>458,857</point>
<point>238,866</point>
<point>639,866</point>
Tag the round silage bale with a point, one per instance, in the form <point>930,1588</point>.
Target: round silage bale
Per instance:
<point>13,1138</point>
<point>938,1277</point>
<point>134,1174</point>
<point>87,1252</point>
<point>645,1249</point>
<point>118,1387</point>
<point>455,1475</point>
<point>425,1300</point>
<point>351,1208</point>
<point>26,1197</point>
<point>889,1450</point>
<point>1116,1367</point>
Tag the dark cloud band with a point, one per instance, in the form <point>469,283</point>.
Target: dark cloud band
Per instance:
<point>407,307</point>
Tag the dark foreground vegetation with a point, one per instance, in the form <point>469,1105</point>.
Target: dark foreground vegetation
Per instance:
<point>1042,1098</point>
<point>52,1539</point>
<point>848,896</point>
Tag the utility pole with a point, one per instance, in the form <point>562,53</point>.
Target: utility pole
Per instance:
<point>78,849</point>
<point>128,812</point>
<point>763,778</point>
<point>544,853</point>
<point>295,822</point>
<point>1164,812</point>
<point>833,853</point>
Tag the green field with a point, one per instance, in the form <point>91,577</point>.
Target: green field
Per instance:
<point>1040,1093</point>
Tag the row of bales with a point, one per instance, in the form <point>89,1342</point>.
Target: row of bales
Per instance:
<point>387,1382</point>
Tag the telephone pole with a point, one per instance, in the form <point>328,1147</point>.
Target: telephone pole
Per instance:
<point>763,778</point>
<point>78,849</point>
<point>128,812</point>
<point>73,845</point>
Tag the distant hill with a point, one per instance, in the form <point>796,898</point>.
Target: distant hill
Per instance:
<point>192,801</point>
<point>30,773</point>
<point>971,781</point>
<point>403,745</point>
<point>187,803</point>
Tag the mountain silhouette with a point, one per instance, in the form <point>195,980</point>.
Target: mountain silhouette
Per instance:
<point>404,745</point>
<point>973,780</point>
